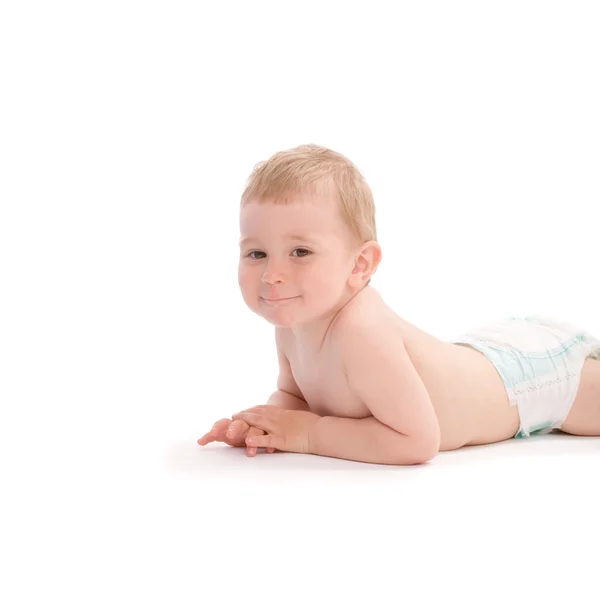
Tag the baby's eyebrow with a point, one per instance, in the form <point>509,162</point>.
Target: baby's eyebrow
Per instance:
<point>301,238</point>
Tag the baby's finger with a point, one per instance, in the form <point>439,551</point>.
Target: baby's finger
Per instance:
<point>253,431</point>
<point>205,439</point>
<point>216,433</point>
<point>220,427</point>
<point>251,451</point>
<point>237,429</point>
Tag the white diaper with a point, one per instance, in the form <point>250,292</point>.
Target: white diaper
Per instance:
<point>540,361</point>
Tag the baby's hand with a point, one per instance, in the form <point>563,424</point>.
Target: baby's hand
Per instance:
<point>233,433</point>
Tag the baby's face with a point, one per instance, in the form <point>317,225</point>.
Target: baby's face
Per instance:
<point>309,273</point>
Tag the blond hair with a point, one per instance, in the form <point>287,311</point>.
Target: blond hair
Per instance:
<point>310,168</point>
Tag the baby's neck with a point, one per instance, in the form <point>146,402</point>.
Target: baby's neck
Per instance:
<point>311,337</point>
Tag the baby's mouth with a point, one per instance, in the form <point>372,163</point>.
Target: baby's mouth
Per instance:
<point>276,300</point>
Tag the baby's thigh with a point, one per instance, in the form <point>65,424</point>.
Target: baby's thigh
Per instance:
<point>584,416</point>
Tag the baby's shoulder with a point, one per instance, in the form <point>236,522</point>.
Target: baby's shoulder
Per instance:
<point>368,316</point>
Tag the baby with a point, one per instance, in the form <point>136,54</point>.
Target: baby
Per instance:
<point>358,382</point>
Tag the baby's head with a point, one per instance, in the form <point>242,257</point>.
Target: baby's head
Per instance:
<point>308,234</point>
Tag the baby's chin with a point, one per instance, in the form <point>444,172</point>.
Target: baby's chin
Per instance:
<point>282,317</point>
<point>288,320</point>
<point>291,319</point>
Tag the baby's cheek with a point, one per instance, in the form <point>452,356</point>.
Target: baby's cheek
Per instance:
<point>329,281</point>
<point>244,287</point>
<point>244,280</point>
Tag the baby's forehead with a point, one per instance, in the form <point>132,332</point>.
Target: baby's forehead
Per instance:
<point>297,219</point>
<point>302,205</point>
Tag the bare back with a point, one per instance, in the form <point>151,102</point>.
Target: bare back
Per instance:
<point>466,391</point>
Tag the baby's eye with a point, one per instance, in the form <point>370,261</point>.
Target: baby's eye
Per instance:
<point>303,250</point>
<point>296,250</point>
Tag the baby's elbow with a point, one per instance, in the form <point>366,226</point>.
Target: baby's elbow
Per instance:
<point>427,445</point>
<point>415,451</point>
<point>427,454</point>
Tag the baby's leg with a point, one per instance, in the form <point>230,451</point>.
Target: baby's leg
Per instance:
<point>584,416</point>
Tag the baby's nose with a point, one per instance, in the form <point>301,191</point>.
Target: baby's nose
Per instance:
<point>272,274</point>
<point>272,278</point>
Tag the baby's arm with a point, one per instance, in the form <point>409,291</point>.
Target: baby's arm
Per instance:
<point>367,440</point>
<point>288,394</point>
<point>404,428</point>
<point>285,400</point>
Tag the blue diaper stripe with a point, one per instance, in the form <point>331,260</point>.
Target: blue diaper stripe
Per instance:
<point>538,429</point>
<point>516,367</point>
<point>563,348</point>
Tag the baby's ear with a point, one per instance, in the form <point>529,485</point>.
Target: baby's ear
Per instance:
<point>367,261</point>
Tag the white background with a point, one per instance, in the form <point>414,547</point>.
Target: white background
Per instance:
<point>127,131</point>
